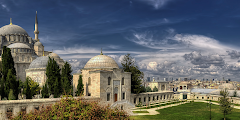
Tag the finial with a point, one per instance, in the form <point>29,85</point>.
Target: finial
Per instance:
<point>10,21</point>
<point>101,52</point>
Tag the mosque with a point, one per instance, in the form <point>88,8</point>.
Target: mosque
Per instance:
<point>28,54</point>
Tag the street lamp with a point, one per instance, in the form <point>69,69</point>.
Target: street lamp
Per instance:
<point>210,108</point>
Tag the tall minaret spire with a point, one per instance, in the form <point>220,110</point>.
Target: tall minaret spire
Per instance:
<point>36,32</point>
<point>10,21</point>
<point>101,52</point>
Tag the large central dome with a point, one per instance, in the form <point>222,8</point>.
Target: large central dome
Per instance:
<point>12,29</point>
<point>101,61</point>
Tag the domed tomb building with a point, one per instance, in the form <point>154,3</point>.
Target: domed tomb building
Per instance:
<point>102,78</point>
<point>24,49</point>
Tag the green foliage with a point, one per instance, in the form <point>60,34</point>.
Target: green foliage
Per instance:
<point>225,104</point>
<point>11,96</point>
<point>74,109</point>
<point>45,91</point>
<point>7,63</point>
<point>53,74</point>
<point>66,78</point>
<point>128,64</point>
<point>155,89</point>
<point>148,89</point>
<point>11,83</point>
<point>31,88</point>
<point>56,89</point>
<point>80,85</point>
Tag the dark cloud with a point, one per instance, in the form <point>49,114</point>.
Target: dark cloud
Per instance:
<point>234,54</point>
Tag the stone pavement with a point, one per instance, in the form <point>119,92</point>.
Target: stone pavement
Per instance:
<point>152,111</point>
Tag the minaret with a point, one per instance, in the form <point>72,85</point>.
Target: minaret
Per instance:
<point>10,21</point>
<point>36,32</point>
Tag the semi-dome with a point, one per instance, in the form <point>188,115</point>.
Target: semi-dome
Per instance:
<point>228,86</point>
<point>101,61</point>
<point>38,44</point>
<point>18,45</point>
<point>12,29</point>
<point>39,62</point>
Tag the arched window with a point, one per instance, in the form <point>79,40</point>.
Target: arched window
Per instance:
<point>109,80</point>
<point>28,59</point>
<point>123,81</point>
<point>17,58</point>
<point>23,57</point>
<point>89,81</point>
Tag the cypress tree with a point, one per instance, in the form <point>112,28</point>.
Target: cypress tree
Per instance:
<point>66,78</point>
<point>11,96</point>
<point>56,89</point>
<point>53,74</point>
<point>27,89</point>
<point>11,83</point>
<point>80,85</point>
<point>45,92</point>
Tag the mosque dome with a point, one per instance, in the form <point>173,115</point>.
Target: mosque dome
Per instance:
<point>53,55</point>
<point>39,62</point>
<point>12,29</point>
<point>101,61</point>
<point>18,45</point>
<point>38,44</point>
<point>228,86</point>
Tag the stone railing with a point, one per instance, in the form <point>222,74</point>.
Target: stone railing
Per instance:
<point>12,107</point>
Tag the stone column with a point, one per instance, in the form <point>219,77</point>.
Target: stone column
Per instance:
<point>160,87</point>
<point>15,111</point>
<point>29,108</point>
<point>165,86</point>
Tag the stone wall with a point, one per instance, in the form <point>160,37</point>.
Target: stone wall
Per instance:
<point>151,97</point>
<point>15,106</point>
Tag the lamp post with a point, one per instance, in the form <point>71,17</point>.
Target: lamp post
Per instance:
<point>210,108</point>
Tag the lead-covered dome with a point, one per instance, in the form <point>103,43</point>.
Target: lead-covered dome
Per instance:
<point>12,29</point>
<point>101,61</point>
<point>39,62</point>
<point>18,45</point>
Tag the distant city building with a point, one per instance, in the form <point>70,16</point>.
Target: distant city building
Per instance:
<point>185,79</point>
<point>148,79</point>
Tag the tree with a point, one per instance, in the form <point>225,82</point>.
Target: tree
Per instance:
<point>225,104</point>
<point>155,89</point>
<point>56,90</point>
<point>31,88</point>
<point>7,63</point>
<point>128,64</point>
<point>11,83</point>
<point>53,74</point>
<point>148,89</point>
<point>11,95</point>
<point>80,85</point>
<point>45,91</point>
<point>66,78</point>
<point>235,93</point>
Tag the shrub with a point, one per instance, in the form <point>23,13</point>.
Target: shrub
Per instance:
<point>72,109</point>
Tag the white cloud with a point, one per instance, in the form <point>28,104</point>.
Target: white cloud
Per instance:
<point>157,4</point>
<point>4,6</point>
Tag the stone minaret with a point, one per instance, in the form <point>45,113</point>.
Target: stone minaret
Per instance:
<point>36,32</point>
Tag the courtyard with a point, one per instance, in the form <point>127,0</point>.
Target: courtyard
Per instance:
<point>189,111</point>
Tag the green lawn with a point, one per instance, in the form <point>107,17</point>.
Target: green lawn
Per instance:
<point>140,112</point>
<point>190,111</point>
<point>159,105</point>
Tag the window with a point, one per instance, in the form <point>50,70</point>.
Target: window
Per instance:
<point>157,97</point>
<point>23,57</point>
<point>123,81</point>
<point>89,94</point>
<point>180,87</point>
<point>28,59</point>
<point>144,99</point>
<point>17,58</point>
<point>134,100</point>
<point>148,98</point>
<point>89,81</point>
<point>164,97</point>
<point>108,96</point>
<point>153,98</point>
<point>139,100</point>
<point>123,96</point>
<point>109,80</point>
<point>202,97</point>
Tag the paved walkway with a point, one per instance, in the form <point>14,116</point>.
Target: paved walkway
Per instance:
<point>152,111</point>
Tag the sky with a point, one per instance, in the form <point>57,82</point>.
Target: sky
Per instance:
<point>197,39</point>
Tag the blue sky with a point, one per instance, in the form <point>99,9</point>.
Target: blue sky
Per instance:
<point>167,38</point>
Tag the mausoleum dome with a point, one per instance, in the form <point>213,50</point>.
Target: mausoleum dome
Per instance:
<point>38,44</point>
<point>39,62</point>
<point>228,86</point>
<point>101,61</point>
<point>12,29</point>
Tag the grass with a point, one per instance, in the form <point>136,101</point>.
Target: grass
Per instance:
<point>140,112</point>
<point>190,111</point>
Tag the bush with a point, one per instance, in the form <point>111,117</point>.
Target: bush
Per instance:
<point>70,108</point>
